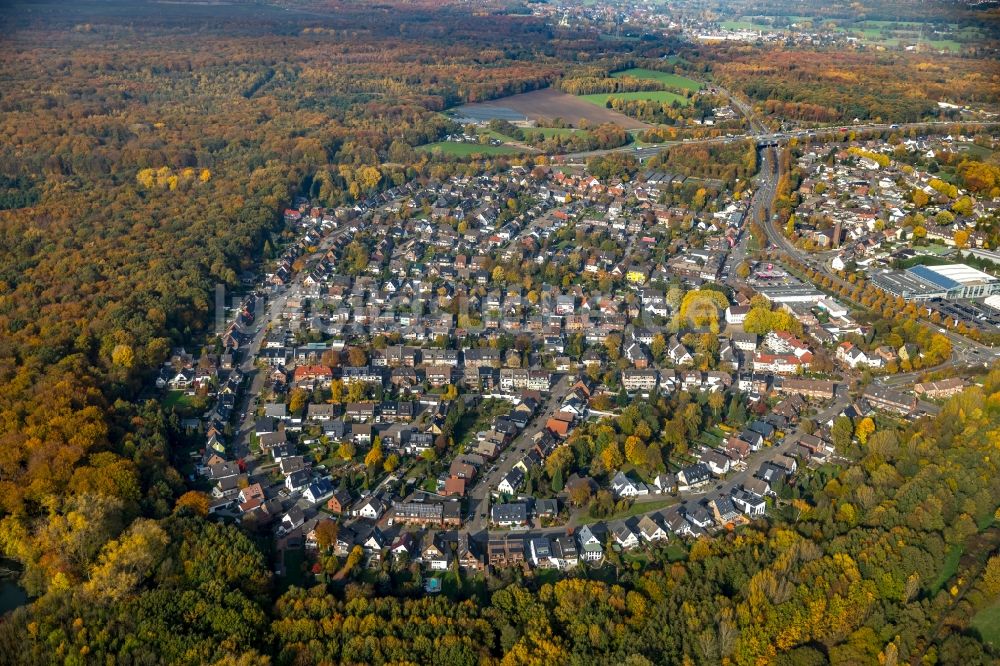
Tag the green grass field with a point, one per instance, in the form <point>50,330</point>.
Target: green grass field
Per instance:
<point>497,135</point>
<point>601,99</point>
<point>672,80</point>
<point>553,131</point>
<point>747,25</point>
<point>976,151</point>
<point>987,623</point>
<point>455,149</point>
<point>951,561</point>
<point>637,509</point>
<point>875,32</point>
<point>184,403</point>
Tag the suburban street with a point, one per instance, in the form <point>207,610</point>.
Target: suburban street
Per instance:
<point>479,496</point>
<point>262,323</point>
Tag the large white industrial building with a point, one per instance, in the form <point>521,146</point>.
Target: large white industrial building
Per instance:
<point>949,281</point>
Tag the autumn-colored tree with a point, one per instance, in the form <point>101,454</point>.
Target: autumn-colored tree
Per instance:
<point>194,501</point>
<point>326,533</point>
<point>356,356</point>
<point>863,429</point>
<point>373,458</point>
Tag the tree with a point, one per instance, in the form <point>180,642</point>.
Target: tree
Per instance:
<point>635,451</point>
<point>842,432</point>
<point>346,450</point>
<point>127,561</point>
<point>194,501</point>
<point>297,401</point>
<point>658,346</point>
<point>355,391</point>
<point>337,391</point>
<point>391,463</point>
<point>558,461</point>
<point>123,356</point>
<point>356,357</point>
<point>374,457</point>
<point>557,480</point>
<point>579,494</point>
<point>326,533</point>
<point>863,429</point>
<point>611,456</point>
<point>716,401</point>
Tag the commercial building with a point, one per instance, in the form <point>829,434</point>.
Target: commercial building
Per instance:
<point>797,293</point>
<point>949,281</point>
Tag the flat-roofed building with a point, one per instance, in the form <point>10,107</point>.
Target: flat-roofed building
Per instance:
<point>958,280</point>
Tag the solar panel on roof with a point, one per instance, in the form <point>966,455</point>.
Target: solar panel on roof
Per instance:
<point>925,273</point>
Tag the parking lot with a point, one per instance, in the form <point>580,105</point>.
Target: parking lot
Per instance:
<point>973,314</point>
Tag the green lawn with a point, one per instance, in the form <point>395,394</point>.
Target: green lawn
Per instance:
<point>601,99</point>
<point>950,568</point>
<point>637,509</point>
<point>548,132</point>
<point>455,149</point>
<point>744,25</point>
<point>987,623</point>
<point>676,552</point>
<point>672,80</point>
<point>293,568</point>
<point>478,418</point>
<point>497,135</point>
<point>185,404</point>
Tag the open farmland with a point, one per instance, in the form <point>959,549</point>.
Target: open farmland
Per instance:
<point>666,78</point>
<point>456,149</point>
<point>549,103</point>
<point>656,95</point>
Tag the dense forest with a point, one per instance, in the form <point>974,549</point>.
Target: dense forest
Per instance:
<point>836,87</point>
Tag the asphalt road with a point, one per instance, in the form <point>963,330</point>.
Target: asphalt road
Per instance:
<point>762,135</point>
<point>479,495</point>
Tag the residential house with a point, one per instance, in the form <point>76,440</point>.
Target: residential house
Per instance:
<point>693,476</point>
<point>590,547</point>
<point>651,530</point>
<point>370,507</point>
<point>514,514</point>
<point>623,535</point>
<point>622,486</point>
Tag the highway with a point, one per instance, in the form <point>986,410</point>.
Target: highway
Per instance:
<point>964,350</point>
<point>764,137</point>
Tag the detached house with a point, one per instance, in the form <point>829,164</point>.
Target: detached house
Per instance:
<point>623,535</point>
<point>678,353</point>
<point>591,549</point>
<point>651,530</point>
<point>622,486</point>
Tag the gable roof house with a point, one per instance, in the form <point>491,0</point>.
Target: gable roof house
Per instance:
<point>591,549</point>
<point>651,530</point>
<point>622,486</point>
<point>693,476</point>
<point>623,535</point>
<point>511,483</point>
<point>509,515</point>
